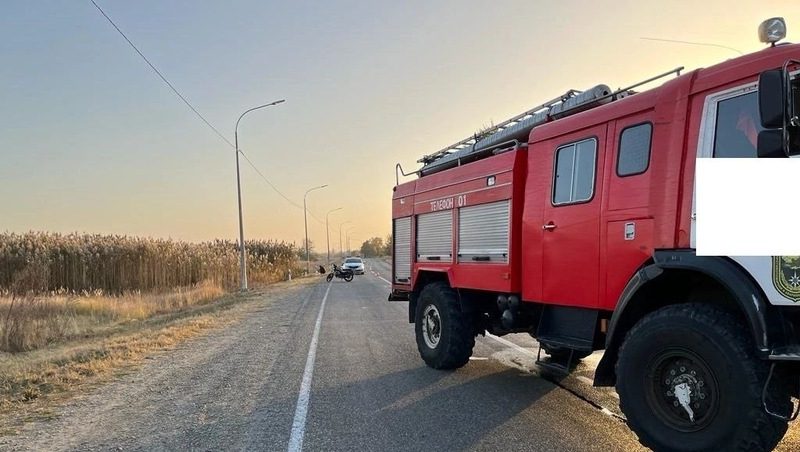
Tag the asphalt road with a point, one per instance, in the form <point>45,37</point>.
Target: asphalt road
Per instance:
<point>252,386</point>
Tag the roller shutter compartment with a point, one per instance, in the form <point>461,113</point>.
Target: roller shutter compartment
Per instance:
<point>402,250</point>
<point>435,237</point>
<point>483,233</point>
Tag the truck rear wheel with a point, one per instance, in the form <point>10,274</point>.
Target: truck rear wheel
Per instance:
<point>444,334</point>
<point>688,379</point>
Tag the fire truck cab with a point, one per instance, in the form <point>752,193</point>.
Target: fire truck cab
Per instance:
<point>574,222</point>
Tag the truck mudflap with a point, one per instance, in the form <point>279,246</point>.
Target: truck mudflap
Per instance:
<point>764,323</point>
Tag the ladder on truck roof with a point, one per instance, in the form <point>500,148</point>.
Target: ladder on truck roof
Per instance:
<point>509,132</point>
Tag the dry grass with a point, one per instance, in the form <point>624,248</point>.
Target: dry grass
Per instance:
<point>33,383</point>
<point>43,262</point>
<point>55,287</point>
<point>30,322</point>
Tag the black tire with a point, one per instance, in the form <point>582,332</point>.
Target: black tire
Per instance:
<point>348,277</point>
<point>329,277</point>
<point>559,353</point>
<point>456,337</point>
<point>710,351</point>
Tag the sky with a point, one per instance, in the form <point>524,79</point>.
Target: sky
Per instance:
<point>91,140</point>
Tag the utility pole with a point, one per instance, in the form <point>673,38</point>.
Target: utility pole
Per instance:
<point>341,249</point>
<point>347,236</point>
<point>305,221</point>
<point>328,232</point>
<point>242,252</point>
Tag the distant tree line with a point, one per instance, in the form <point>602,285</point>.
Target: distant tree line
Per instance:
<point>376,247</point>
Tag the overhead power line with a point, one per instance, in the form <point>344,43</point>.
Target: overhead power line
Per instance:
<point>196,112</point>
<point>164,79</point>
<point>705,44</point>
<point>276,190</point>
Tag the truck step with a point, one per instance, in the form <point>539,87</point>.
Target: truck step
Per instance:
<point>553,367</point>
<point>557,367</point>
<point>566,342</point>
<point>787,353</point>
<point>567,327</point>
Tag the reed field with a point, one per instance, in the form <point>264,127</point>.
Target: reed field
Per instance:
<point>43,262</point>
<point>54,287</point>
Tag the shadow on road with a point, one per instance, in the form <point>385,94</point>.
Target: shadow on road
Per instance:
<point>421,408</point>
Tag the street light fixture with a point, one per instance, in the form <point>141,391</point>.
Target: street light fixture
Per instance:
<point>242,266</point>
<point>327,231</point>
<point>305,221</point>
<point>341,249</point>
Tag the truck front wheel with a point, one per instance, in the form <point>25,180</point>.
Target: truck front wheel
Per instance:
<point>688,379</point>
<point>444,334</point>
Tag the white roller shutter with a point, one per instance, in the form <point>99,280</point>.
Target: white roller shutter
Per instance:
<point>483,232</point>
<point>435,237</point>
<point>402,250</point>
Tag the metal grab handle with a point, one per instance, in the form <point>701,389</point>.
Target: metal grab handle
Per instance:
<point>549,226</point>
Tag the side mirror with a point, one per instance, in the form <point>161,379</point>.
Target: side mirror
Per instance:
<point>770,144</point>
<point>772,99</point>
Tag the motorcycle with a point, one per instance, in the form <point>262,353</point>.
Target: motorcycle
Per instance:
<point>342,273</point>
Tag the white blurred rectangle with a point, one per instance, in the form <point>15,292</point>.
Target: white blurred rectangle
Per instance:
<point>747,207</point>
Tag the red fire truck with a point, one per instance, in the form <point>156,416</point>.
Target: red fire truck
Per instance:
<point>574,222</point>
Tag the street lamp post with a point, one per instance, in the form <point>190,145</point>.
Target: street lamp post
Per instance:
<point>341,249</point>
<point>305,221</point>
<point>347,236</point>
<point>242,264</point>
<point>328,232</point>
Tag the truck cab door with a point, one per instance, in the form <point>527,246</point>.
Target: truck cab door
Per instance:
<point>571,219</point>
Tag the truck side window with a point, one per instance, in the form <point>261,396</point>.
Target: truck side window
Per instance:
<point>737,127</point>
<point>634,150</point>
<point>575,172</point>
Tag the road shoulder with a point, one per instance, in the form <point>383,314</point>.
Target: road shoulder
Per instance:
<point>34,386</point>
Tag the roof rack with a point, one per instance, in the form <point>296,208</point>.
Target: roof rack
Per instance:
<point>519,127</point>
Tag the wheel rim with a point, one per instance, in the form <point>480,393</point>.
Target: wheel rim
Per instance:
<point>431,326</point>
<point>682,390</point>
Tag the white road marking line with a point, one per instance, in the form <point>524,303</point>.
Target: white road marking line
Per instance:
<point>511,344</point>
<point>300,413</point>
<point>585,380</point>
<point>384,279</point>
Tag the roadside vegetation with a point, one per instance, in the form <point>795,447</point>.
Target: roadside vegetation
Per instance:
<point>377,247</point>
<point>57,287</point>
<point>75,307</point>
<point>78,263</point>
<point>34,383</point>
